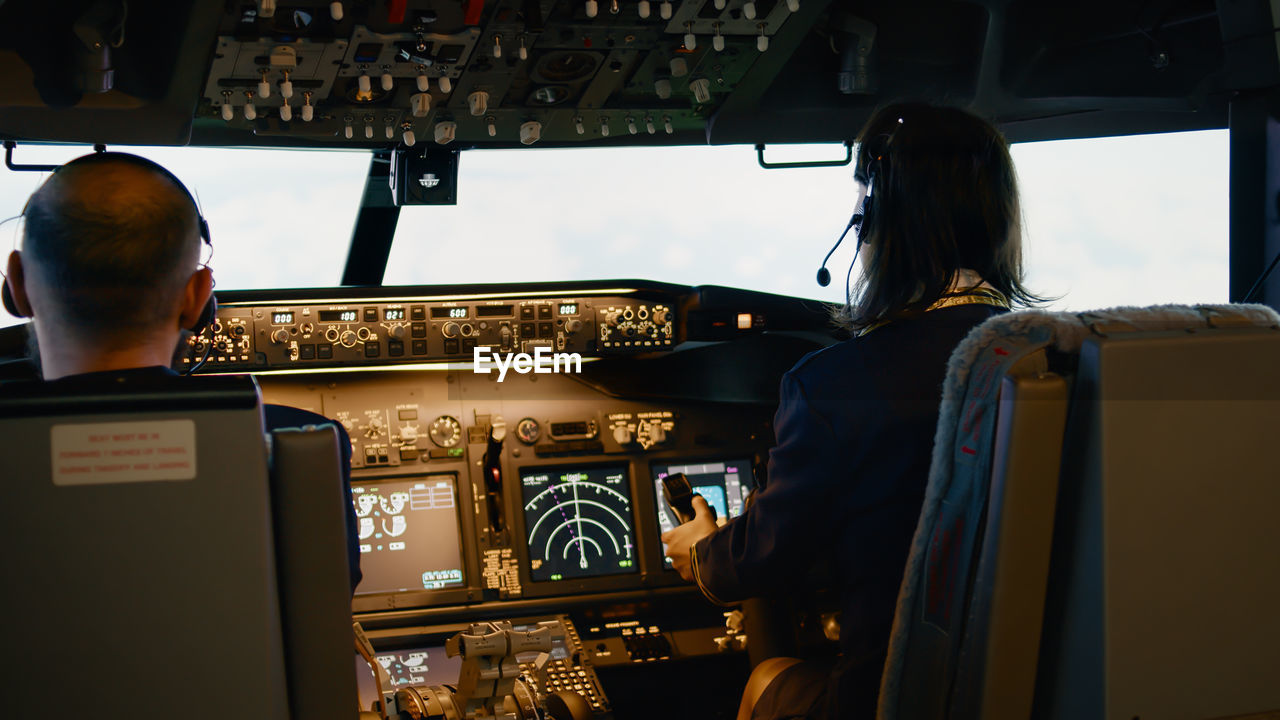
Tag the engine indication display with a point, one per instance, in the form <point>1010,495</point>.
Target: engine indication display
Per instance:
<point>578,522</point>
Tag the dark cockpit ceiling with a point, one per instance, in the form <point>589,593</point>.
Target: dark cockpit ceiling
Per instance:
<point>1042,70</point>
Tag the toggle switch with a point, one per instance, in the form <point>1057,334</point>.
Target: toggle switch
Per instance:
<point>308,110</point>
<point>346,129</point>
<point>478,103</point>
<point>720,4</point>
<point>631,124</point>
<point>530,132</point>
<point>578,126</point>
<point>648,125</point>
<point>762,42</point>
<point>749,10</point>
<point>793,5</point>
<point>390,130</point>
<point>664,10</point>
<point>445,132</point>
<point>407,135</point>
<point>446,85</point>
<point>593,8</point>
<point>679,67</point>
<point>286,111</point>
<point>266,8</point>
<point>604,127</point>
<point>286,87</point>
<point>250,111</point>
<point>492,124</point>
<point>662,86</point>
<point>701,88</point>
<point>228,111</point>
<point>364,83</point>
<point>643,9</point>
<point>666,125</point>
<point>424,82</point>
<point>264,86</point>
<point>523,52</point>
<point>690,40</point>
<point>335,11</point>
<point>497,46</point>
<point>614,7</point>
<point>420,104</point>
<point>368,128</point>
<point>388,82</point>
<point>717,42</point>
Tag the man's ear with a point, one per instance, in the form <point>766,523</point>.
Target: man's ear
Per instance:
<point>194,296</point>
<point>18,285</point>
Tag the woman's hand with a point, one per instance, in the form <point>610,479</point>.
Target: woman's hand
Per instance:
<point>682,537</point>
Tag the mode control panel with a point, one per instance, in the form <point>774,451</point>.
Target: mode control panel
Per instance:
<point>266,336</point>
<point>635,326</point>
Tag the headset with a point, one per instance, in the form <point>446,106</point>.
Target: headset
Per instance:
<point>210,310</point>
<point>859,218</point>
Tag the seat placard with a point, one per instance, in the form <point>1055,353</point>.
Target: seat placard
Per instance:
<point>123,452</point>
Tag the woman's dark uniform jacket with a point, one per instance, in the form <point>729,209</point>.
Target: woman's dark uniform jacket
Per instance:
<point>855,427</point>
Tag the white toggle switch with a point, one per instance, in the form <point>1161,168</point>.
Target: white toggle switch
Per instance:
<point>388,82</point>
<point>264,88</point>
<point>717,42</point>
<point>793,5</point>
<point>578,126</point>
<point>368,131</point>
<point>523,52</point>
<point>286,112</point>
<point>421,104</point>
<point>749,10</point>
<point>643,9</point>
<point>445,132</point>
<point>446,85</point>
<point>407,136</point>
<point>762,42</point>
<point>666,125</point>
<point>664,10</point>
<point>690,41</point>
<point>364,83</point>
<point>593,8</point>
<point>649,126</point>
<point>720,4</point>
<point>493,127</point>
<point>266,8</point>
<point>424,82</point>
<point>228,112</point>
<point>390,132</point>
<point>335,11</point>
<point>286,88</point>
<point>662,87</point>
<point>631,125</point>
<point>346,130</point>
<point>497,46</point>
<point>530,132</point>
<point>604,127</point>
<point>250,111</point>
<point>308,111</point>
<point>478,102</point>
<point>701,88</point>
<point>679,67</point>
<point>614,7</point>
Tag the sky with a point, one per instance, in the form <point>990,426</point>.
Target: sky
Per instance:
<point>1112,221</point>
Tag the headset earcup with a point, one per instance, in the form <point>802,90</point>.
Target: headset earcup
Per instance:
<point>207,315</point>
<point>10,305</point>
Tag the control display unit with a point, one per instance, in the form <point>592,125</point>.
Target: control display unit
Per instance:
<point>578,522</point>
<point>409,534</point>
<point>723,483</point>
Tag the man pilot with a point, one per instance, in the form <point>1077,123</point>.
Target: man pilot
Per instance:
<point>109,274</point>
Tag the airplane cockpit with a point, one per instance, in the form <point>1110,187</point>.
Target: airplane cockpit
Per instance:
<point>514,445</point>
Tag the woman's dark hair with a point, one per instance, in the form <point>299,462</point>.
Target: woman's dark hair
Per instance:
<point>944,197</point>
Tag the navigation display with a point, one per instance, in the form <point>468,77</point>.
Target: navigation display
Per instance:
<point>578,522</point>
<point>409,538</point>
<point>724,484</point>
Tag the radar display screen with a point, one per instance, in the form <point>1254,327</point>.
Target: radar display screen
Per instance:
<point>723,483</point>
<point>409,538</point>
<point>578,522</point>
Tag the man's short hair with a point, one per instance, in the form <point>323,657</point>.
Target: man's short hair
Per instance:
<point>111,256</point>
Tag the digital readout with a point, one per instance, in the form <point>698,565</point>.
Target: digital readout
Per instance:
<point>282,318</point>
<point>455,313</point>
<point>393,314</point>
<point>567,308</point>
<point>345,316</point>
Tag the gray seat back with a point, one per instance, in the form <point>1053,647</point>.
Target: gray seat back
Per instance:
<point>140,574</point>
<point>981,579</point>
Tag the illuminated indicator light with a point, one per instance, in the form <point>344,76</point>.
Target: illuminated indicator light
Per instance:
<point>744,321</point>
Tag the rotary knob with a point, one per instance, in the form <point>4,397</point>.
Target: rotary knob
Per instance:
<point>348,338</point>
<point>656,432</point>
<point>660,316</point>
<point>573,326</point>
<point>396,332</point>
<point>622,434</point>
<point>450,329</point>
<point>279,335</point>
